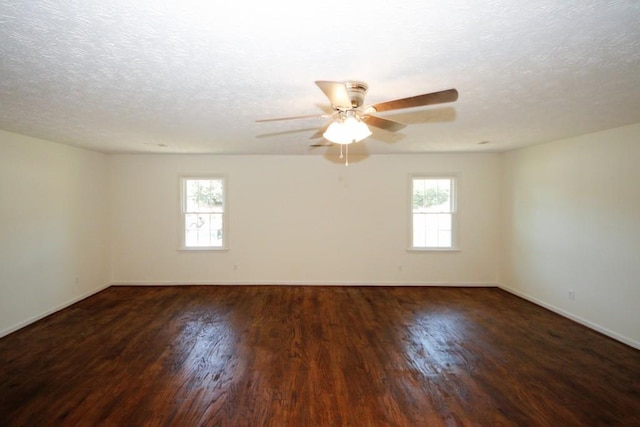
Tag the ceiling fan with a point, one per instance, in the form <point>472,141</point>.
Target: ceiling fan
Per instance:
<point>350,116</point>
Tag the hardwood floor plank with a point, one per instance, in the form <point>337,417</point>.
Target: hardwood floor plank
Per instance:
<point>314,356</point>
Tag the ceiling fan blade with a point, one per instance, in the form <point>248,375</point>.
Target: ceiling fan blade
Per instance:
<point>386,124</point>
<point>448,95</point>
<point>321,144</point>
<point>310,116</point>
<point>336,92</point>
<point>320,132</point>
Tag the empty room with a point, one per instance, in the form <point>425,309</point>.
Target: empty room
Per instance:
<point>333,214</point>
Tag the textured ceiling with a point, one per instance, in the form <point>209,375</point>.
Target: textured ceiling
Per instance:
<point>192,76</point>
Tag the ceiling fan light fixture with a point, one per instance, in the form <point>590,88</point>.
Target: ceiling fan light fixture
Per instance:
<point>350,113</point>
<point>347,131</point>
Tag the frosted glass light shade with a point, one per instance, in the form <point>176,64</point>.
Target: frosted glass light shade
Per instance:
<point>347,131</point>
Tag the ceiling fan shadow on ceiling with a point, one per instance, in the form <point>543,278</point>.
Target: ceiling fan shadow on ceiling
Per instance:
<point>284,132</point>
<point>350,118</point>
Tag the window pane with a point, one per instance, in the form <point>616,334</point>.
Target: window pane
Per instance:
<point>419,230</point>
<point>443,232</point>
<point>204,195</point>
<point>418,195</point>
<point>432,230</point>
<point>203,230</point>
<point>432,195</point>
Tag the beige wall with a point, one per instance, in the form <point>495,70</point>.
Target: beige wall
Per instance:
<point>540,221</point>
<point>53,219</point>
<point>302,219</point>
<point>572,223</point>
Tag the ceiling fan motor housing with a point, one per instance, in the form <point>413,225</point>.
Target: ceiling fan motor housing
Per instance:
<point>357,90</point>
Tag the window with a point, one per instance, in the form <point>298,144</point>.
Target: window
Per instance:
<point>433,212</point>
<point>203,213</point>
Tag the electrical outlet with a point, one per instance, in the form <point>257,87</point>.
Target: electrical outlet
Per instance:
<point>572,295</point>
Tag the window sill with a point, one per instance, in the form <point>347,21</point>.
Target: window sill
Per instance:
<point>203,249</point>
<point>419,250</point>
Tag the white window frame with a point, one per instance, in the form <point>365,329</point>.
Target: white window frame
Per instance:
<point>182,211</point>
<point>454,213</point>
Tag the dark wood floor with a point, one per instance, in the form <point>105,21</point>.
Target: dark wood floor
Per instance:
<point>313,356</point>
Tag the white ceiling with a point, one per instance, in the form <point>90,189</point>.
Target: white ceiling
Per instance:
<point>192,76</point>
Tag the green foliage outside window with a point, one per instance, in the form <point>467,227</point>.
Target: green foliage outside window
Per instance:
<point>428,197</point>
<point>207,195</point>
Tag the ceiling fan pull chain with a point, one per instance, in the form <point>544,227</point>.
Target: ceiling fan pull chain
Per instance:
<point>346,162</point>
<point>341,156</point>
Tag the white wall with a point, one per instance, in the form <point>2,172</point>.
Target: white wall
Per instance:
<point>53,218</point>
<point>302,219</point>
<point>573,223</point>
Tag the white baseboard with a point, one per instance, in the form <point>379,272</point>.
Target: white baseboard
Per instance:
<point>51,311</point>
<point>596,327</point>
<point>306,283</point>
